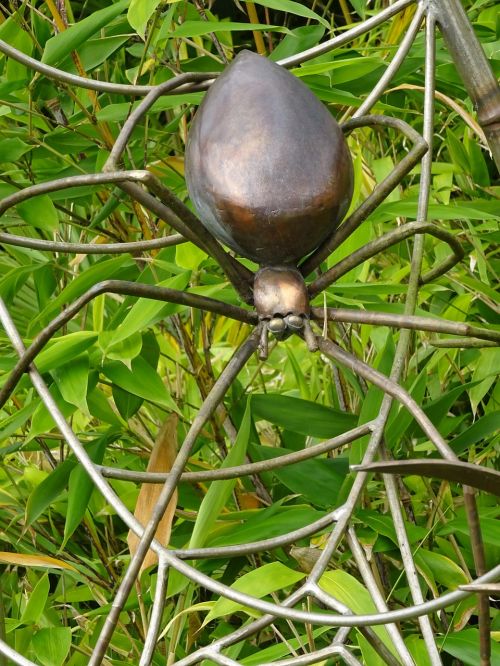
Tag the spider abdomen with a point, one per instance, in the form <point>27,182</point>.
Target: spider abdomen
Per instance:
<point>267,166</point>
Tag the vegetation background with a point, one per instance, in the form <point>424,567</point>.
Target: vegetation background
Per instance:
<point>122,367</point>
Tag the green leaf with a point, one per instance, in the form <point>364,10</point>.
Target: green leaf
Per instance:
<point>258,583</point>
<point>139,13</point>
<point>297,8</point>
<point>80,489</point>
<point>349,591</point>
<point>102,270</point>
<point>13,150</point>
<point>52,645</point>
<point>444,570</point>
<point>318,479</point>
<point>39,212</point>
<point>479,430</point>
<point>464,645</point>
<point>142,380</point>
<point>63,350</point>
<point>62,44</point>
<point>220,491</point>
<point>72,380</point>
<point>198,28</point>
<point>147,311</point>
<point>36,601</point>
<point>302,416</point>
<point>300,39</point>
<point>49,490</point>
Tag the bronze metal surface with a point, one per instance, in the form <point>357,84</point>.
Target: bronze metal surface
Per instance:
<point>280,291</point>
<point>477,476</point>
<point>267,166</point>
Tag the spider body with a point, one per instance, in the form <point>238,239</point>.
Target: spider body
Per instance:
<point>267,166</point>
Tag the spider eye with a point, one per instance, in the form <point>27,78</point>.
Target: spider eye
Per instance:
<point>267,166</point>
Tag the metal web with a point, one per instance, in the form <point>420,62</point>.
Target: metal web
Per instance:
<point>148,191</point>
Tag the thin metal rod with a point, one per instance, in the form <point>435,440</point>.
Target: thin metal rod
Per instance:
<point>214,398</point>
<point>14,656</point>
<point>387,240</point>
<point>477,476</point>
<point>156,613</point>
<point>380,192</point>
<point>416,267</point>
<point>100,86</point>
<point>412,322</point>
<point>347,36</point>
<point>246,469</point>
<point>121,176</point>
<point>125,288</point>
<point>378,599</point>
<point>317,656</point>
<point>135,117</point>
<point>396,62</point>
<point>391,388</point>
<point>91,248</point>
<point>473,67</point>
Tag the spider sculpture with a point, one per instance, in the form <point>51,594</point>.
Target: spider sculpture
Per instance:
<point>261,197</point>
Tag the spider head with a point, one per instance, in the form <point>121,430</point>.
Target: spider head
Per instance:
<point>281,299</point>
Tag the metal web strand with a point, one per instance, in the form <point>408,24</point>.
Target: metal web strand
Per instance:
<point>338,521</point>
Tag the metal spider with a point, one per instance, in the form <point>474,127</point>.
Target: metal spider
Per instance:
<point>280,313</point>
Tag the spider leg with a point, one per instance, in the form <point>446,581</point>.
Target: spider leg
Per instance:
<point>128,289</point>
<point>81,248</point>
<point>381,191</point>
<point>387,240</point>
<point>411,322</point>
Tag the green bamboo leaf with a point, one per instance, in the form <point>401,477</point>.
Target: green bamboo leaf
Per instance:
<point>464,645</point>
<point>349,591</point>
<point>147,311</point>
<point>139,13</point>
<point>36,601</point>
<point>220,491</point>
<point>63,350</point>
<point>72,380</point>
<point>52,645</point>
<point>297,8</point>
<point>80,489</point>
<point>63,43</point>
<point>141,380</point>
<point>302,416</point>
<point>258,583</point>
<point>39,212</point>
<point>49,490</point>
<point>199,28</point>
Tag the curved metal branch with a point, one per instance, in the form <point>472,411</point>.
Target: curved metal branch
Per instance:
<point>412,322</point>
<point>92,248</point>
<point>247,469</point>
<point>380,192</point>
<point>100,86</point>
<point>124,288</point>
<point>391,388</point>
<point>478,476</point>
<point>395,64</point>
<point>387,240</point>
<point>347,36</point>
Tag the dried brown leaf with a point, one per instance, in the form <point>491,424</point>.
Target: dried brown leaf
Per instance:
<point>162,458</point>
